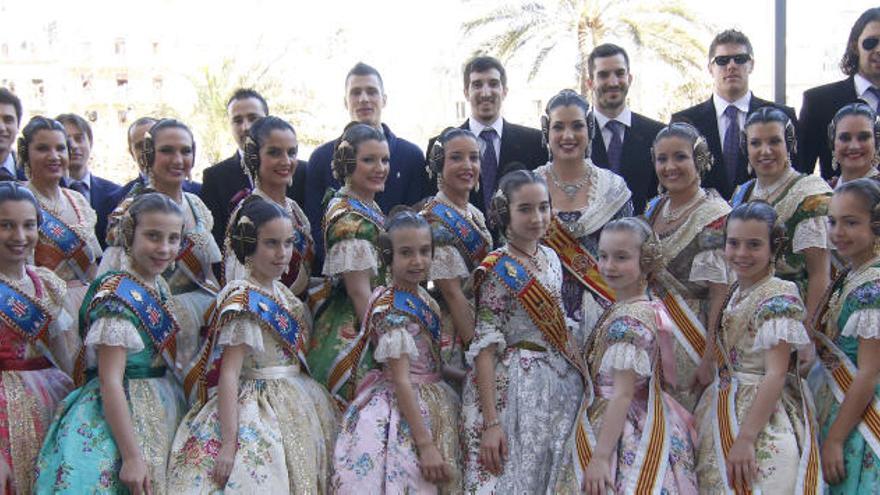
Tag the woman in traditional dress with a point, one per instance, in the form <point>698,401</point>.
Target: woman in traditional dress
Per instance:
<point>854,134</point>
<point>461,242</point>
<point>270,428</point>
<point>114,432</point>
<point>848,341</point>
<point>689,221</point>
<point>521,397</point>
<point>755,421</point>
<point>169,151</point>
<point>270,159</point>
<point>37,340</point>
<point>800,201</point>
<point>339,355</point>
<point>401,432</point>
<point>585,197</point>
<point>644,437</point>
<point>67,244</point>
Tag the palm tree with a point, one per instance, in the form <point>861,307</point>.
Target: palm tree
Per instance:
<point>666,30</point>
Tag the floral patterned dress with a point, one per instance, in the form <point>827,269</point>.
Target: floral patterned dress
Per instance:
<point>609,199</point>
<point>456,255</point>
<point>375,451</point>
<point>694,254</point>
<point>755,320</point>
<point>286,421</point>
<point>853,314</point>
<point>351,235</point>
<point>31,385</point>
<point>79,449</point>
<point>537,389</point>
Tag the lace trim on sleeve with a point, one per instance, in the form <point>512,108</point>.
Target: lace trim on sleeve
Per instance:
<point>864,323</point>
<point>448,264</point>
<point>709,266</point>
<point>241,330</point>
<point>114,331</point>
<point>625,356</point>
<point>351,255</point>
<point>776,330</point>
<point>812,232</point>
<point>482,340</point>
<point>394,344</point>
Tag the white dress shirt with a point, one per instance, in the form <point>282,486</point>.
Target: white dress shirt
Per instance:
<point>721,105</point>
<point>624,118</point>
<point>862,87</point>
<point>477,127</point>
<point>9,164</point>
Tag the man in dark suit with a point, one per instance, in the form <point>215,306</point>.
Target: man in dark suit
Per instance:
<point>99,192</point>
<point>861,63</point>
<point>10,120</point>
<point>485,87</point>
<point>407,181</point>
<point>623,143</point>
<point>721,118</point>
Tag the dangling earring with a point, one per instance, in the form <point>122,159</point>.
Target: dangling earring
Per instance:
<point>171,266</point>
<point>749,168</point>
<point>248,264</point>
<point>876,246</point>
<point>835,165</point>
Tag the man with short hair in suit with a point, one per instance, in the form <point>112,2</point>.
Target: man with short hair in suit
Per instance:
<point>97,191</point>
<point>10,120</point>
<point>485,87</point>
<point>861,63</point>
<point>722,117</point>
<point>224,180</point>
<point>624,142</point>
<point>407,181</point>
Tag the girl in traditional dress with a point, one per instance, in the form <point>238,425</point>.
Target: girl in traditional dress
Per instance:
<point>585,197</point>
<point>521,398</point>
<point>756,426</point>
<point>269,158</point>
<point>338,355</point>
<point>848,341</point>
<point>401,432</point>
<point>169,152</point>
<point>644,437</point>
<point>800,201</point>
<point>461,242</point>
<point>270,428</point>
<point>854,134</point>
<point>114,432</point>
<point>689,221</point>
<point>37,341</point>
<point>67,244</point>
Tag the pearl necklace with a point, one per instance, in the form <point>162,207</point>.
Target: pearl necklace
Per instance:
<point>53,205</point>
<point>571,188</point>
<point>671,216</point>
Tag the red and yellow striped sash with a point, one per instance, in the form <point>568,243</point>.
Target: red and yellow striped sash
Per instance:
<point>577,260</point>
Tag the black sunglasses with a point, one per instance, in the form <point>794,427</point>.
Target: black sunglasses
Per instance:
<point>739,59</point>
<point>870,43</point>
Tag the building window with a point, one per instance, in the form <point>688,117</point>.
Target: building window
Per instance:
<point>119,46</point>
<point>122,116</point>
<point>539,106</point>
<point>157,83</point>
<point>460,110</point>
<point>92,115</point>
<point>86,82</point>
<point>155,48</point>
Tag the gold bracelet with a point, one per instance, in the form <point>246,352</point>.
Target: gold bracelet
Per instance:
<point>491,424</point>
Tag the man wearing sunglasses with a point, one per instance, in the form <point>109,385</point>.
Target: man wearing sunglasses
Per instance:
<point>861,63</point>
<point>721,118</point>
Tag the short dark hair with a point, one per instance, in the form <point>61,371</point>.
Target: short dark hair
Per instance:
<point>730,37</point>
<point>362,69</point>
<point>245,93</point>
<point>9,98</point>
<point>78,122</point>
<point>605,50</point>
<point>482,63</point>
<point>849,63</point>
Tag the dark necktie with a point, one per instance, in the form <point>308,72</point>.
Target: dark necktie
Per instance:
<point>876,92</point>
<point>730,150</point>
<point>488,165</point>
<point>80,187</point>
<point>615,146</point>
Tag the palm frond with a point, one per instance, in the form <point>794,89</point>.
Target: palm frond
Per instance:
<point>540,58</point>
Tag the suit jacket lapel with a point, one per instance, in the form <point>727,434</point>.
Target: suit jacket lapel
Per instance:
<point>598,153</point>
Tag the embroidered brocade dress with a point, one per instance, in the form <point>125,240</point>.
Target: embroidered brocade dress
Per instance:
<point>694,255</point>
<point>296,278</point>
<point>754,322</point>
<point>286,421</point>
<point>375,451</point>
<point>608,199</point>
<point>193,287</point>
<point>30,385</point>
<point>79,449</point>
<point>853,314</point>
<point>77,214</point>
<point>801,203</point>
<point>537,391</point>
<point>351,245</point>
<point>628,339</point>
<point>452,261</point>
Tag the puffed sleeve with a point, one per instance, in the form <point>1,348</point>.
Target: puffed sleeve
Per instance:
<point>241,328</point>
<point>864,304</point>
<point>351,255</point>
<point>626,338</point>
<point>493,307</point>
<point>207,246</point>
<point>780,319</point>
<point>448,264</point>
<point>810,232</point>
<point>395,339</point>
<point>114,331</point>
<point>709,266</point>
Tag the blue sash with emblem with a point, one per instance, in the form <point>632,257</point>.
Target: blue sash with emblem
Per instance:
<point>23,314</point>
<point>59,244</point>
<point>466,235</point>
<point>415,307</point>
<point>744,190</point>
